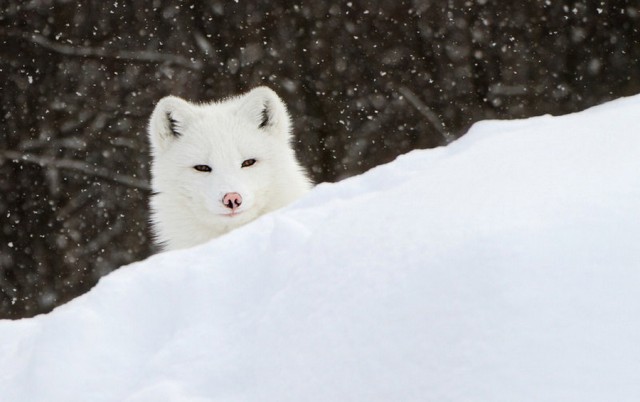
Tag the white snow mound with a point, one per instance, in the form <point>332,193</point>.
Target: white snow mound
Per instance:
<point>503,267</point>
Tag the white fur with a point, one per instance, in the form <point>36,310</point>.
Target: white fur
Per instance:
<point>186,208</point>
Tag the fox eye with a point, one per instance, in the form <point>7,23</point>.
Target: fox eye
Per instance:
<point>248,163</point>
<point>202,168</point>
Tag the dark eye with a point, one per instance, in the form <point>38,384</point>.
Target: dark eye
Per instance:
<point>202,168</point>
<point>248,163</point>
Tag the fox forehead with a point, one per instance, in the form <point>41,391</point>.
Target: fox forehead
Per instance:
<point>219,136</point>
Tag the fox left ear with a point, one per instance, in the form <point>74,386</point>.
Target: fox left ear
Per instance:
<point>168,120</point>
<point>266,111</point>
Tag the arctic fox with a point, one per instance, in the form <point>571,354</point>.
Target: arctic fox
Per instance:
<point>219,165</point>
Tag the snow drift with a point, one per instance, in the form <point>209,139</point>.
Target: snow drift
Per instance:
<point>504,267</point>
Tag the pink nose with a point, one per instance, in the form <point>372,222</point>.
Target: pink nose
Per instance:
<point>232,200</point>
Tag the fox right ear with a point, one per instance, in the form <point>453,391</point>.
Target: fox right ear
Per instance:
<point>168,121</point>
<point>266,111</point>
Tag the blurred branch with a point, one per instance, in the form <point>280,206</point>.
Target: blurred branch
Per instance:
<point>103,239</point>
<point>47,161</point>
<point>73,143</point>
<point>426,112</point>
<point>143,56</point>
<point>74,204</point>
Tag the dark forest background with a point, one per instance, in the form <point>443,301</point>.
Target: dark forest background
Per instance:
<point>364,81</point>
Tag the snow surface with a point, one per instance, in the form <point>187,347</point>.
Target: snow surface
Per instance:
<point>503,267</point>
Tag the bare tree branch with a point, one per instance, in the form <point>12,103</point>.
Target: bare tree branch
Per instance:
<point>144,56</point>
<point>103,239</point>
<point>47,161</point>
<point>426,112</point>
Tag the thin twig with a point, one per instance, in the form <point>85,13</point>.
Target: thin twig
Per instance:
<point>144,56</point>
<point>46,161</point>
<point>102,239</point>
<point>426,112</point>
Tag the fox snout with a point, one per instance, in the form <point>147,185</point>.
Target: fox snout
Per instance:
<point>232,201</point>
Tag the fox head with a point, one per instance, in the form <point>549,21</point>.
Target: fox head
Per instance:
<point>222,164</point>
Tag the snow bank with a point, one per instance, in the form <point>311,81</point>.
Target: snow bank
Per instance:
<point>504,267</point>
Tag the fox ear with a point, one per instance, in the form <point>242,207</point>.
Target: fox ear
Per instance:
<point>263,108</point>
<point>168,120</point>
